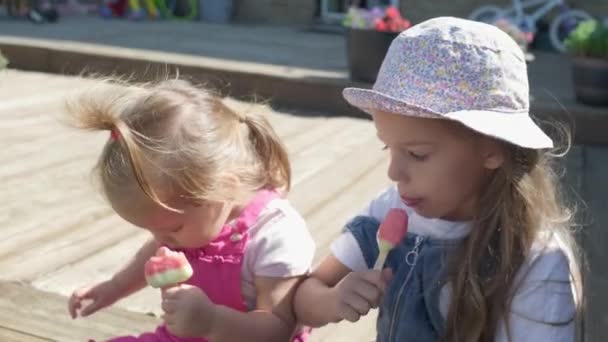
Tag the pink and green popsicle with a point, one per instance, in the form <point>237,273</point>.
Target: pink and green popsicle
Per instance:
<point>167,268</point>
<point>392,230</point>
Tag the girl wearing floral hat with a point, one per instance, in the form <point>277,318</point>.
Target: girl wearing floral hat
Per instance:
<point>489,255</point>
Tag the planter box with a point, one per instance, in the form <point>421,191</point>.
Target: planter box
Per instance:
<point>365,52</point>
<point>590,76</point>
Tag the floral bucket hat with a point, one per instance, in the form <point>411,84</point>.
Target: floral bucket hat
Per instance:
<point>456,69</point>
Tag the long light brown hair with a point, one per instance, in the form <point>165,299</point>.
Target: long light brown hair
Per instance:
<point>174,138</point>
<point>521,202</point>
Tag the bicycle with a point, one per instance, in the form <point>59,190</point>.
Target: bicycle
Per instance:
<point>559,28</point>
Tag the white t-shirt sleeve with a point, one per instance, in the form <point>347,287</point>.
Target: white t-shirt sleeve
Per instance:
<point>280,244</point>
<point>543,308</point>
<point>346,249</point>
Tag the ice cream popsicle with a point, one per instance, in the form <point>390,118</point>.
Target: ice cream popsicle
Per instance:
<point>167,268</point>
<point>392,230</point>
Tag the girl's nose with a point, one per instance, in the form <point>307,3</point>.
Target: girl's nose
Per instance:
<point>397,172</point>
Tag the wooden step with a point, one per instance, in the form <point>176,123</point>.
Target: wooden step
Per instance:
<point>28,314</point>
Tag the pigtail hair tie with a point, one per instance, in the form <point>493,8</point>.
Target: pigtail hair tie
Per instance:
<point>114,134</point>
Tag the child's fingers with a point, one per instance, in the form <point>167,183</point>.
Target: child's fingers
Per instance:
<point>369,292</point>
<point>358,303</point>
<point>75,301</point>
<point>169,321</point>
<point>171,292</point>
<point>375,278</point>
<point>169,306</point>
<point>348,313</point>
<point>91,308</point>
<point>74,304</point>
<point>387,275</point>
<point>85,293</point>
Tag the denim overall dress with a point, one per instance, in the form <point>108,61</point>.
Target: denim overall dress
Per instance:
<point>410,308</point>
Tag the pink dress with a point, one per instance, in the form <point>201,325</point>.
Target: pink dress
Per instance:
<point>217,270</point>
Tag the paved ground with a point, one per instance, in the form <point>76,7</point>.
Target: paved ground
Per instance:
<point>247,43</point>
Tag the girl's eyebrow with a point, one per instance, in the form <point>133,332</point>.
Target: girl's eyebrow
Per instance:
<point>416,143</point>
<point>411,142</point>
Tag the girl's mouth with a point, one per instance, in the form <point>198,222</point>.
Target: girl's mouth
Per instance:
<point>411,201</point>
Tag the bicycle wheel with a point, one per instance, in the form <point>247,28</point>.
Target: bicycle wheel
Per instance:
<point>487,14</point>
<point>563,24</point>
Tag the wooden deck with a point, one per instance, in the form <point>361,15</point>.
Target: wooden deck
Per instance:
<point>57,233</point>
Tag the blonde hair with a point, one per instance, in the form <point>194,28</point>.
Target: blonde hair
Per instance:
<point>521,202</point>
<point>173,138</point>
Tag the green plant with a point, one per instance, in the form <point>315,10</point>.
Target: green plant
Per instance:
<point>3,61</point>
<point>588,39</point>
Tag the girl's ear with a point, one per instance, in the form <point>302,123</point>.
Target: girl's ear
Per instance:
<point>493,154</point>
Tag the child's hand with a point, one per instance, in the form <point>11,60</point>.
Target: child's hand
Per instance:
<point>358,292</point>
<point>90,299</point>
<point>188,311</point>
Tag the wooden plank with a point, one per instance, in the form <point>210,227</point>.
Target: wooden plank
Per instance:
<point>59,184</point>
<point>50,159</point>
<point>22,224</point>
<point>320,153</point>
<point>22,86</point>
<point>362,331</point>
<point>327,222</point>
<point>99,267</point>
<point>37,313</point>
<point>10,335</point>
<point>47,251</point>
<point>36,111</point>
<point>15,107</point>
<point>31,142</point>
<point>316,192</point>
